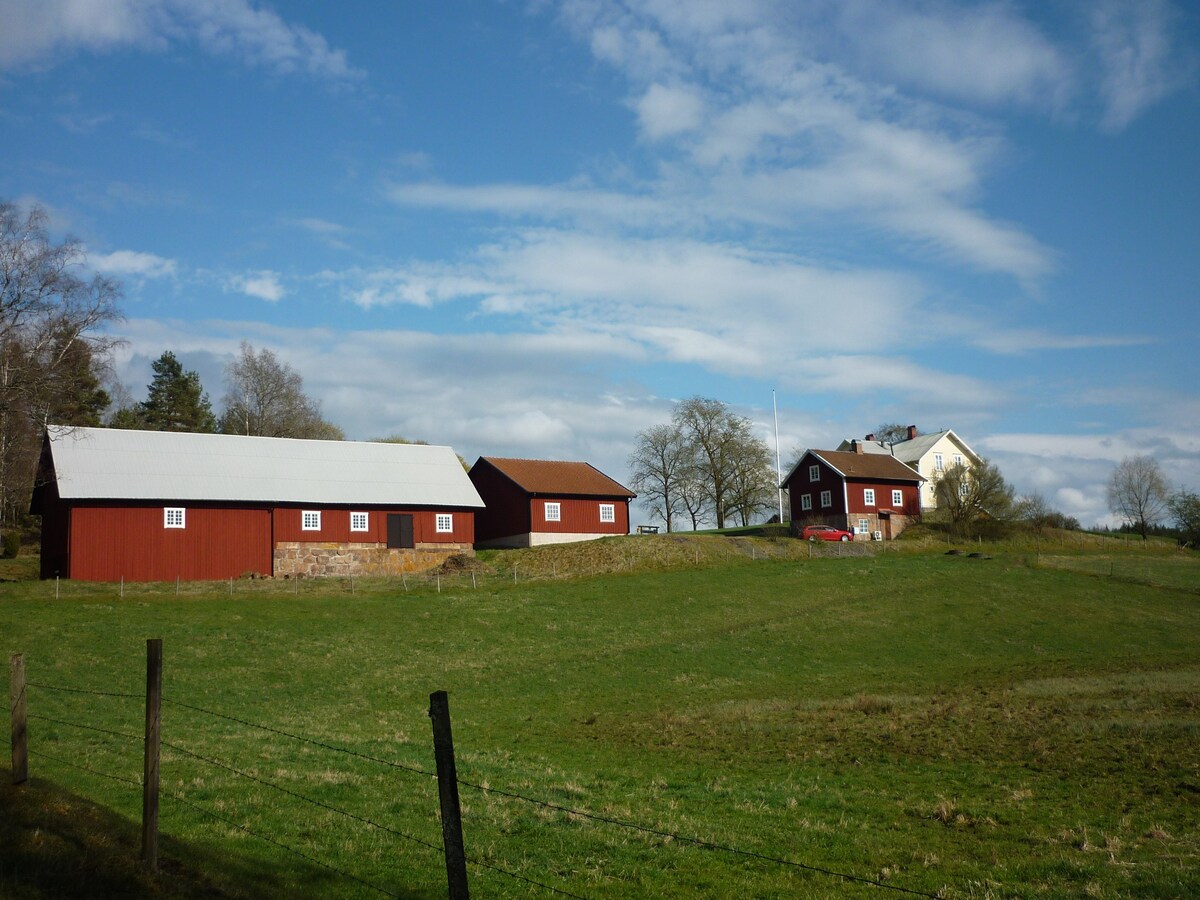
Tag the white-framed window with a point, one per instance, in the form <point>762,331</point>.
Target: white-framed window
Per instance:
<point>806,501</point>
<point>864,526</point>
<point>553,512</point>
<point>444,524</point>
<point>826,499</point>
<point>310,520</point>
<point>937,462</point>
<point>958,460</point>
<point>814,473</point>
<point>359,521</point>
<point>608,512</point>
<point>897,498</point>
<point>173,517</point>
<point>964,488</point>
<point>869,496</point>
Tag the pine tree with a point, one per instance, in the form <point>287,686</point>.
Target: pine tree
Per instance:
<point>177,401</point>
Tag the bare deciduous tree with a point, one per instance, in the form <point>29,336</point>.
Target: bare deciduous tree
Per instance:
<point>52,311</point>
<point>706,462</point>
<point>1138,492</point>
<point>265,396</point>
<point>658,463</point>
<point>964,493</point>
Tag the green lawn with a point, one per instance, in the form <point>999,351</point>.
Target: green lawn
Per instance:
<point>975,727</point>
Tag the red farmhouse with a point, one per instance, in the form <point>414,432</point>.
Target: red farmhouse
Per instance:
<point>156,506</point>
<point>535,501</point>
<point>873,495</point>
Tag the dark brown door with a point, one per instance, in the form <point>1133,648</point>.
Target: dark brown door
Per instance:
<point>400,531</point>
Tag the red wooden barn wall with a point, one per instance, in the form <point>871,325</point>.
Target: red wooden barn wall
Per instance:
<point>579,515</point>
<point>107,543</point>
<point>507,509</point>
<point>94,542</point>
<point>335,525</point>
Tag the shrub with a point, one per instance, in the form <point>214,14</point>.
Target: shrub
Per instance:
<point>11,544</point>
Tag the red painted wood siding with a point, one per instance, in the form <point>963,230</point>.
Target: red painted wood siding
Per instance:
<point>335,525</point>
<point>829,481</point>
<point>507,511</point>
<point>107,543</point>
<point>856,492</point>
<point>579,516</point>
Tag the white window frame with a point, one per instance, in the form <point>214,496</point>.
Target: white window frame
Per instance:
<point>814,473</point>
<point>310,520</point>
<point>958,460</point>
<point>868,496</point>
<point>806,502</point>
<point>608,513</point>
<point>443,523</point>
<point>864,526</point>
<point>897,498</point>
<point>826,499</point>
<point>174,517</point>
<point>938,463</point>
<point>360,521</point>
<point>553,511</point>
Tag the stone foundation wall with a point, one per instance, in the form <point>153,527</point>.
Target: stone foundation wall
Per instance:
<point>315,559</point>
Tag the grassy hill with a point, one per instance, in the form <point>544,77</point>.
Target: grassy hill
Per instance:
<point>1019,723</point>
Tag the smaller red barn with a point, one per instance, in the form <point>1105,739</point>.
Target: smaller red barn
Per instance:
<point>529,502</point>
<point>871,494</point>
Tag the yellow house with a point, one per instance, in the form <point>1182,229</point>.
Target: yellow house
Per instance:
<point>927,454</point>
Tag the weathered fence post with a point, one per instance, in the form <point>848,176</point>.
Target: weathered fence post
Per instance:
<point>20,737</point>
<point>153,741</point>
<point>447,776</point>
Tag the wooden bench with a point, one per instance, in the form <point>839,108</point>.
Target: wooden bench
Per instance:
<point>647,529</point>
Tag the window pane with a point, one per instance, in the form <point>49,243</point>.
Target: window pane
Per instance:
<point>445,523</point>
<point>553,512</point>
<point>310,520</point>
<point>358,521</point>
<point>608,512</point>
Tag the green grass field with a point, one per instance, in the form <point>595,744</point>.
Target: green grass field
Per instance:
<point>1020,725</point>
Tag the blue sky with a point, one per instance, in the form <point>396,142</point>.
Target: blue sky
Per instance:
<point>528,228</point>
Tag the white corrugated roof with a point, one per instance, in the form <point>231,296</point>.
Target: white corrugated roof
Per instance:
<point>116,464</point>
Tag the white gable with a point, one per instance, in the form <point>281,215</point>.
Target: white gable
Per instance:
<point>116,464</point>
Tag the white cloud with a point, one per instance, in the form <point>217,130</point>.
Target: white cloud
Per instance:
<point>1140,65</point>
<point>133,263</point>
<point>984,52</point>
<point>664,111</point>
<point>41,31</point>
<point>264,285</point>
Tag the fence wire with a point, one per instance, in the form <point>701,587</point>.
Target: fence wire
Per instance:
<point>634,826</point>
<point>307,740</point>
<point>708,845</point>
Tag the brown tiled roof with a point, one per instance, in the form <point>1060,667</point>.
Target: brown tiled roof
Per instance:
<point>543,476</point>
<point>867,465</point>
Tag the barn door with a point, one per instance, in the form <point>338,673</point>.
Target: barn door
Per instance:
<point>400,531</point>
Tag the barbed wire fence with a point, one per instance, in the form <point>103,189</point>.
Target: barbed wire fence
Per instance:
<point>176,750</point>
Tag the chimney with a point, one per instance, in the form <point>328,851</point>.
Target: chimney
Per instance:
<point>869,437</point>
<point>857,447</point>
<point>912,432</point>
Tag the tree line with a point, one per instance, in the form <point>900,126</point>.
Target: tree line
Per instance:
<point>55,360</point>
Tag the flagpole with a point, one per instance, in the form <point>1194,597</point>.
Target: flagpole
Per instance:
<point>778,471</point>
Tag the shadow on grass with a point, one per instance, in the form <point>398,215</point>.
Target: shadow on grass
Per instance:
<point>57,844</point>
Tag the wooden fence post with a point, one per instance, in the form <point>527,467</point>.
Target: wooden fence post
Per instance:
<point>20,737</point>
<point>447,776</point>
<point>153,739</point>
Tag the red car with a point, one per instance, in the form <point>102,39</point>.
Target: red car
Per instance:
<point>825,533</point>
